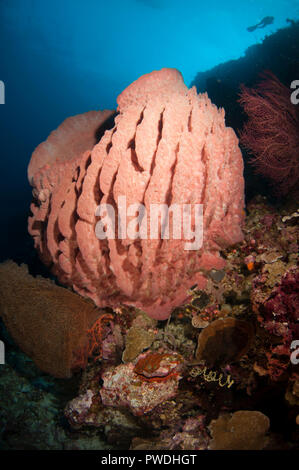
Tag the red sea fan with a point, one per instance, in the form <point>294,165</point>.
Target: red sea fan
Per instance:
<point>271,132</point>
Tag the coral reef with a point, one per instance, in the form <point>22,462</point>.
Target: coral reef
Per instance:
<point>135,342</point>
<point>208,378</point>
<point>163,149</point>
<point>212,377</point>
<point>191,436</point>
<point>278,313</point>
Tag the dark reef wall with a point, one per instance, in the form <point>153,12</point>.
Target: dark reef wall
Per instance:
<point>278,53</point>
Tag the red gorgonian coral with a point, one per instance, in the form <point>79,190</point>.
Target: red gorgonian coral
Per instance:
<point>271,132</point>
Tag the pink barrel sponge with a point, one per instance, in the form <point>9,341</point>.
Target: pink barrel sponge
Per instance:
<point>170,146</point>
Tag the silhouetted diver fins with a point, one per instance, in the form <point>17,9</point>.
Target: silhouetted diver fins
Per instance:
<point>264,22</point>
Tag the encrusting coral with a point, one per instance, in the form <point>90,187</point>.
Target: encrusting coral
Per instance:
<point>168,146</point>
<point>145,392</point>
<point>243,430</point>
<point>139,337</point>
<point>48,322</point>
<point>137,340</point>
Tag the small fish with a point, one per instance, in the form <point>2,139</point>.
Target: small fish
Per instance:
<point>264,22</point>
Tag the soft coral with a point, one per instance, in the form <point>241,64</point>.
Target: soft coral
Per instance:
<point>271,132</point>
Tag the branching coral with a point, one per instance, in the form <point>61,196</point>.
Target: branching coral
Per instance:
<point>271,133</point>
<point>92,347</point>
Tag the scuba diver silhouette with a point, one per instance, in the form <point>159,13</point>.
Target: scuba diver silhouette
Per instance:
<point>264,22</point>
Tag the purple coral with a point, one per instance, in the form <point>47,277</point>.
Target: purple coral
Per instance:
<point>279,315</point>
<point>283,303</point>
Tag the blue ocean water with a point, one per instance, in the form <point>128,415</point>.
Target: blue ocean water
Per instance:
<point>64,57</point>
